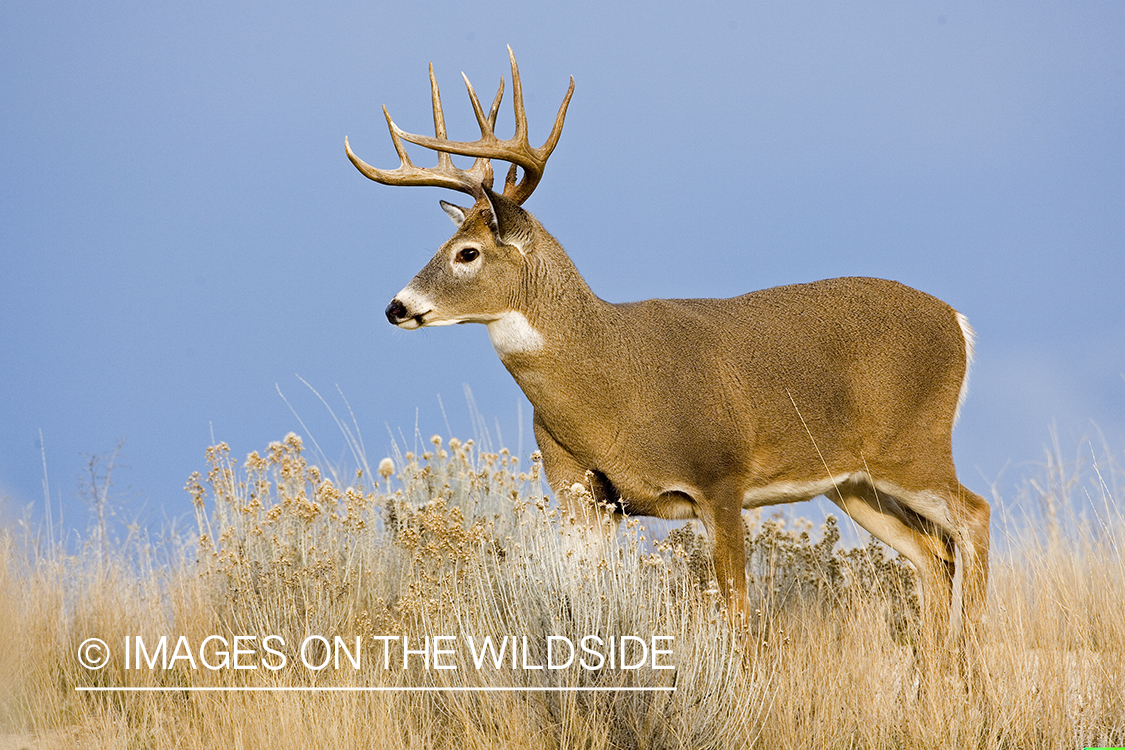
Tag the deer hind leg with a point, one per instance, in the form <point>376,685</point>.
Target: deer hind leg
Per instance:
<point>972,515</point>
<point>974,553</point>
<point>969,516</point>
<point>962,517</point>
<point>922,543</point>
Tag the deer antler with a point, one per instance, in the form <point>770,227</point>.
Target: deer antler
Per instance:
<point>445,174</point>
<point>516,150</point>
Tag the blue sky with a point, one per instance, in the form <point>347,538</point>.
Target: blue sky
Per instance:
<point>181,231</point>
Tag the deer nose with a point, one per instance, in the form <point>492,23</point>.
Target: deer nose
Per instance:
<point>396,312</point>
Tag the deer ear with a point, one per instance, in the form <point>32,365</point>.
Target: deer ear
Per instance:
<point>454,212</point>
<point>510,223</point>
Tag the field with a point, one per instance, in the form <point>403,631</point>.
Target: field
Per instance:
<point>393,576</point>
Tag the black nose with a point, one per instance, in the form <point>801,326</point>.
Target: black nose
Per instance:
<point>396,312</point>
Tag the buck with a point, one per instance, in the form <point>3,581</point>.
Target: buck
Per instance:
<point>700,408</point>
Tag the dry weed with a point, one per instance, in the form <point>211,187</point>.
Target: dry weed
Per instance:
<point>457,544</point>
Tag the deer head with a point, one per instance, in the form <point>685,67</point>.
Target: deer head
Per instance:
<point>476,276</point>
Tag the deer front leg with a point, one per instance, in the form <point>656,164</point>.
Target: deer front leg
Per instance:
<point>586,525</point>
<point>721,513</point>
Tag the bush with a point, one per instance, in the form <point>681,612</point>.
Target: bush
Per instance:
<point>461,544</point>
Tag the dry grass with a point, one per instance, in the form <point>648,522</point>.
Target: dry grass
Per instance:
<point>457,543</point>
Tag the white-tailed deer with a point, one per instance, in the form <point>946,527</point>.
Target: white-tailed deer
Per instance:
<point>699,408</point>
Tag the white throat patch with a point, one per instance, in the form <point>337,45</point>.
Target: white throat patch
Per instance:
<point>512,334</point>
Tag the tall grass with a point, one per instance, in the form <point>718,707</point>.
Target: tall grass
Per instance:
<point>459,543</point>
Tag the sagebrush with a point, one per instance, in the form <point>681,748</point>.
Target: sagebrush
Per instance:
<point>461,543</point>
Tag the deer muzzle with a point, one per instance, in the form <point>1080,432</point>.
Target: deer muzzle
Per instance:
<point>396,312</point>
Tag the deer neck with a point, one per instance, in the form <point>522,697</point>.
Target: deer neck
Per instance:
<point>557,332</point>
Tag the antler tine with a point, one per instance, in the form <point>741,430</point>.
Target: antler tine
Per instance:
<point>487,124</point>
<point>520,193</point>
<point>517,98</point>
<point>439,119</point>
<point>495,103</point>
<point>444,161</point>
<point>515,150</point>
<point>556,130</point>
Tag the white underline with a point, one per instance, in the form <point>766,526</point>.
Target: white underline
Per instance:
<point>313,689</point>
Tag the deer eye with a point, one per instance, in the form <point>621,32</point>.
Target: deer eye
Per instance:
<point>467,255</point>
